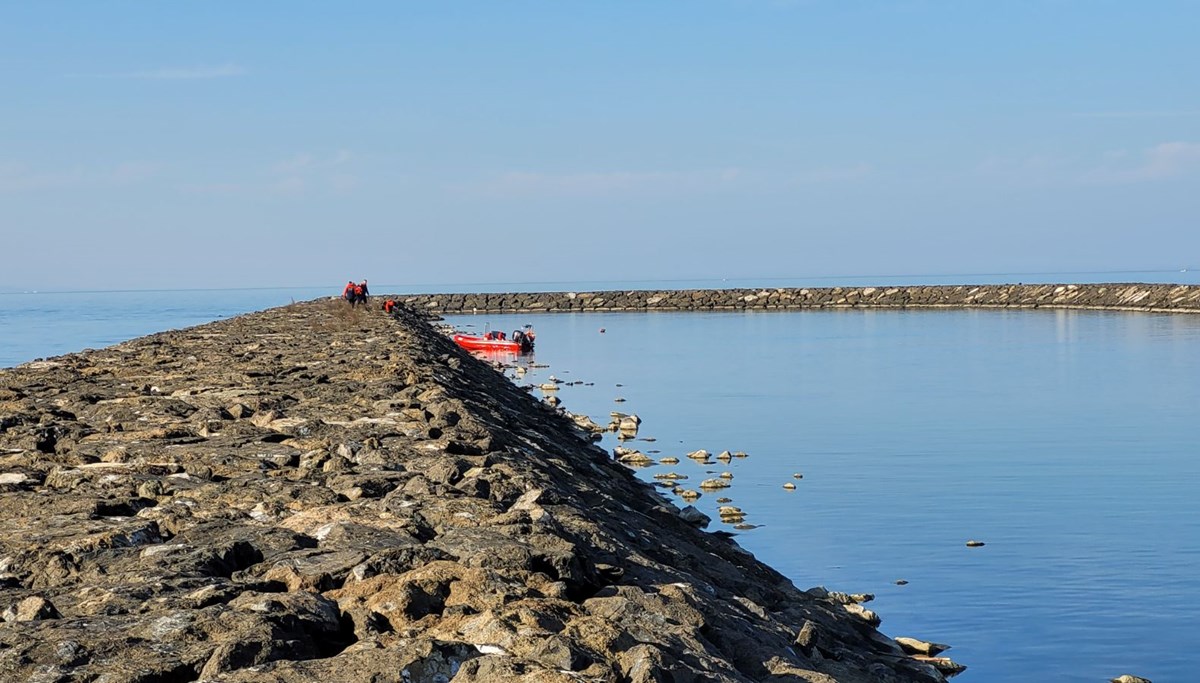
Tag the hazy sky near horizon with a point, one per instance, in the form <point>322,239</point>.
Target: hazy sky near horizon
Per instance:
<point>151,145</point>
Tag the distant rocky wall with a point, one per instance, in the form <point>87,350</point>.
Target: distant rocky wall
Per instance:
<point>1125,297</point>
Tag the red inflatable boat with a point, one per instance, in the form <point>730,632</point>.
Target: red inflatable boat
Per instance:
<point>480,344</point>
<point>521,342</point>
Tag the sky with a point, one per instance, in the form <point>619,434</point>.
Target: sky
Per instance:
<point>225,144</point>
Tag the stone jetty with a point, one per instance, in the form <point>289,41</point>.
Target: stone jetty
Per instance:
<point>1125,297</point>
<point>320,493</point>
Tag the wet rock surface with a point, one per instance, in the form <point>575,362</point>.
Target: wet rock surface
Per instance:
<point>320,493</point>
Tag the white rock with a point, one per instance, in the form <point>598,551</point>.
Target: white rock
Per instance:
<point>863,613</point>
<point>915,646</point>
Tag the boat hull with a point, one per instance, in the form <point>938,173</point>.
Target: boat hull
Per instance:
<point>480,344</point>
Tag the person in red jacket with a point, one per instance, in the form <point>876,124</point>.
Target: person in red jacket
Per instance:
<point>348,292</point>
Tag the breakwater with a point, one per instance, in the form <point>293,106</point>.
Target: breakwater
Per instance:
<point>1125,297</point>
<point>317,492</point>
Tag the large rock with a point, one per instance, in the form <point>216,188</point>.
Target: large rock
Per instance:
<point>33,608</point>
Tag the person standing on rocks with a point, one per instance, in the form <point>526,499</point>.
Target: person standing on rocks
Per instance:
<point>348,292</point>
<point>362,292</point>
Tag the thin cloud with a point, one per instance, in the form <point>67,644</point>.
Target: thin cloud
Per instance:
<point>303,171</point>
<point>605,183</point>
<point>834,174</point>
<point>296,164</point>
<point>213,188</point>
<point>19,178</point>
<point>1165,114</point>
<point>1161,162</point>
<point>660,183</point>
<point>177,73</point>
<point>299,175</point>
<point>1115,167</point>
<point>1035,170</point>
<point>304,162</point>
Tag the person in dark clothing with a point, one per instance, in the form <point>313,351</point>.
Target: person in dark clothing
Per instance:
<point>348,292</point>
<point>361,292</point>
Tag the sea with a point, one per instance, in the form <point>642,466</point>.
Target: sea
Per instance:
<point>1065,441</point>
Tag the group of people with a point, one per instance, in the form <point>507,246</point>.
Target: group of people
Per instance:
<point>356,293</point>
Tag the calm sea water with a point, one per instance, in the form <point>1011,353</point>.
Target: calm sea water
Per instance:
<point>43,324</point>
<point>1064,440</point>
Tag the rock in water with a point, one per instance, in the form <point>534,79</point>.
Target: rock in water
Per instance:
<point>944,665</point>
<point>921,647</point>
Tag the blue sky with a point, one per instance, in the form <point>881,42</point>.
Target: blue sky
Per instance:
<point>297,143</point>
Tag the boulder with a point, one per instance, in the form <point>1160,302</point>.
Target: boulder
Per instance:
<point>694,517</point>
<point>33,608</point>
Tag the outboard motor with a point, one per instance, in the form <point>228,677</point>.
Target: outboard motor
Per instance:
<point>521,338</point>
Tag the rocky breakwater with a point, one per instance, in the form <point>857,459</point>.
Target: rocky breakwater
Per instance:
<point>315,493</point>
<point>1129,297</point>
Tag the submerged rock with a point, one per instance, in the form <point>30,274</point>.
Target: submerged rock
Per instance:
<point>636,458</point>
